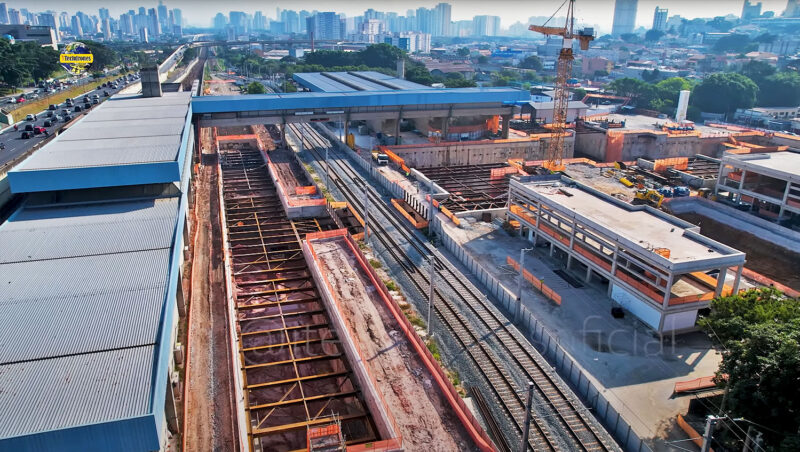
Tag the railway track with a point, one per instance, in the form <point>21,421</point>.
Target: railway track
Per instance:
<point>563,412</point>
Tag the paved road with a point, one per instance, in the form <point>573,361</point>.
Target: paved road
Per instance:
<point>16,146</point>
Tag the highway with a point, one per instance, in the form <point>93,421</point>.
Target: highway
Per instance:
<point>16,146</point>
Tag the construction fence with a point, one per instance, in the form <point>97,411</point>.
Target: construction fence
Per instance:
<point>548,346</point>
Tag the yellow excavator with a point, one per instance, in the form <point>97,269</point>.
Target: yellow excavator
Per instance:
<point>648,196</point>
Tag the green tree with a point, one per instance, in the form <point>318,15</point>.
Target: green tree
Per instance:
<point>462,52</point>
<point>531,62</point>
<point>739,43</point>
<point>102,56</point>
<point>651,76</point>
<point>641,92</point>
<point>757,71</point>
<point>759,333</point>
<point>381,55</point>
<point>457,80</point>
<point>483,59</point>
<point>578,93</point>
<point>653,35</point>
<point>630,37</point>
<point>417,73</point>
<point>780,90</point>
<point>255,88</point>
<point>724,93</point>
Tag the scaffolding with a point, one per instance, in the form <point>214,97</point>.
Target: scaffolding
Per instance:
<point>471,187</point>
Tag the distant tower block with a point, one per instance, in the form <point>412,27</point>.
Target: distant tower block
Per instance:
<point>683,105</point>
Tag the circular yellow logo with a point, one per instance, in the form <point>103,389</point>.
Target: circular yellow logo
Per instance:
<point>76,58</point>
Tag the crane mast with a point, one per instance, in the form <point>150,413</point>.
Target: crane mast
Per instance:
<point>555,149</point>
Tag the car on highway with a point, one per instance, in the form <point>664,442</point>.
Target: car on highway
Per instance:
<point>26,135</point>
<point>51,107</point>
<point>67,118</point>
<point>56,118</point>
<point>39,130</point>
<point>50,114</point>
<point>105,94</point>
<point>77,108</point>
<point>28,127</point>
<point>20,99</point>
<point>30,117</point>
<point>48,123</point>
<point>95,101</point>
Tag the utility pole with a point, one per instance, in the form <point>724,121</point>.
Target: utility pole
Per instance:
<point>366,215</point>
<point>523,447</point>
<point>431,294</point>
<point>521,279</point>
<point>711,421</point>
<point>327,169</point>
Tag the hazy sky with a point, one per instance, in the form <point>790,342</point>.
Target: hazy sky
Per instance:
<point>600,12</point>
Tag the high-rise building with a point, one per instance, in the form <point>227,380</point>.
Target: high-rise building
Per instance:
<point>327,25</point>
<point>660,19</point>
<point>143,37</point>
<point>259,21</point>
<point>238,20</point>
<point>77,30</point>
<point>163,17</point>
<point>48,19</point>
<point>304,15</point>
<point>425,20</point>
<point>220,21</point>
<point>624,17</point>
<point>3,13</point>
<point>14,17</point>
<point>126,23</point>
<point>103,13</point>
<point>106,29</point>
<point>441,20</point>
<point>485,26</point>
<point>153,23</point>
<point>792,9</point>
<point>177,15</point>
<point>291,21</point>
<point>63,21</point>
<point>750,10</point>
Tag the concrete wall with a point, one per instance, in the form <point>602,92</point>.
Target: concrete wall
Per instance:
<point>474,153</point>
<point>654,145</point>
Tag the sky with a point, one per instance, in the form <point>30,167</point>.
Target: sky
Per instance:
<point>599,12</point>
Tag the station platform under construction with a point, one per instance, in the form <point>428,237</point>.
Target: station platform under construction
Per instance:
<point>295,374</point>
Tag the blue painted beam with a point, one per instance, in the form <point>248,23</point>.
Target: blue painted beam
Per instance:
<point>300,101</point>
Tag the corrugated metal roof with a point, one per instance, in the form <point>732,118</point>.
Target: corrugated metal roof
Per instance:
<point>75,390</point>
<point>398,82</point>
<point>317,82</point>
<point>83,290</point>
<point>126,129</point>
<point>358,83</point>
<point>91,229</point>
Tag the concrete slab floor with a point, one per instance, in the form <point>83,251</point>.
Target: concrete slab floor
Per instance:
<point>633,369</point>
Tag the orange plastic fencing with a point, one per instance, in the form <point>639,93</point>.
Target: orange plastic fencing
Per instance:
<point>337,204</point>
<point>236,137</point>
<point>377,446</point>
<point>537,283</point>
<point>450,215</point>
<point>326,234</point>
<point>678,163</point>
<point>306,190</point>
<point>499,173</point>
<point>693,435</point>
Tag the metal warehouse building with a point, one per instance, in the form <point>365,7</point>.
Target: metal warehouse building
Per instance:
<point>90,274</point>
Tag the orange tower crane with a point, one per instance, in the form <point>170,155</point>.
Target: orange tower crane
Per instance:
<point>555,150</point>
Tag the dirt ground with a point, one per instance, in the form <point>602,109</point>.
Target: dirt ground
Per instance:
<point>763,257</point>
<point>421,412</point>
<point>210,415</point>
<point>594,178</point>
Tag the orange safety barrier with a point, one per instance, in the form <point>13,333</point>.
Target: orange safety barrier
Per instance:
<point>535,282</point>
<point>377,446</point>
<point>520,212</point>
<point>552,233</point>
<point>326,234</point>
<point>693,435</point>
<point>711,282</point>
<point>236,137</point>
<point>306,202</point>
<point>640,286</point>
<point>697,384</point>
<point>470,423</point>
<point>337,204</point>
<point>591,256</point>
<point>499,173</point>
<point>392,156</point>
<point>306,190</point>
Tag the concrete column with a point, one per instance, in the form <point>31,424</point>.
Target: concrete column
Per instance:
<point>720,281</point>
<point>738,279</point>
<point>445,127</point>
<point>506,125</point>
<point>569,261</point>
<point>170,411</point>
<point>397,126</point>
<point>283,134</point>
<point>552,248</point>
<point>588,274</point>
<point>668,294</point>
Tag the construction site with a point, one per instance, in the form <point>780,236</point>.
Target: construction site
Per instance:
<point>400,278</point>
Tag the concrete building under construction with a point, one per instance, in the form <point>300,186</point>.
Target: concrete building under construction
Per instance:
<point>658,267</point>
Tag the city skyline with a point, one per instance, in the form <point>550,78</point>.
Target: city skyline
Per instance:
<point>599,13</point>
